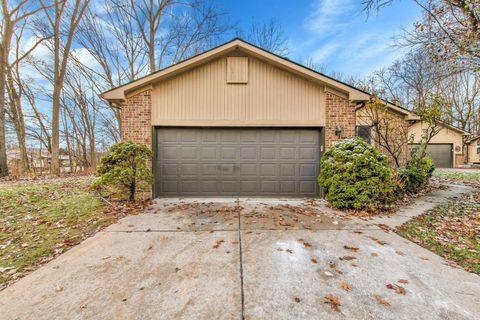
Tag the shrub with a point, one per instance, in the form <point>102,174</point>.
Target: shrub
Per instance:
<point>417,173</point>
<point>124,168</point>
<point>356,175</point>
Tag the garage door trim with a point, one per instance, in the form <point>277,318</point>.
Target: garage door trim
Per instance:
<point>318,144</point>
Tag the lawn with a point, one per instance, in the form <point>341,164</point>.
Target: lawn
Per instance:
<point>40,220</point>
<point>458,175</point>
<point>451,230</point>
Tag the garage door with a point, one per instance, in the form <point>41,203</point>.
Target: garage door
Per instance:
<point>236,162</point>
<point>441,154</point>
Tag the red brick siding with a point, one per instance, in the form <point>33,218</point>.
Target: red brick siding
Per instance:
<point>339,113</point>
<point>459,160</point>
<point>136,118</point>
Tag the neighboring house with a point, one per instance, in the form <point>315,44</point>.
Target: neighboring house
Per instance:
<point>237,121</point>
<point>446,148</point>
<point>39,160</point>
<point>473,150</point>
<point>399,117</point>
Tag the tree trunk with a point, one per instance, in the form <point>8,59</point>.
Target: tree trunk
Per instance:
<point>18,122</point>
<point>4,45</point>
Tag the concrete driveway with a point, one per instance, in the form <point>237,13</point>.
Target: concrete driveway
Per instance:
<point>252,259</point>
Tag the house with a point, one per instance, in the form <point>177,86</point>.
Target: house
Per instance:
<point>472,148</point>
<point>237,121</point>
<point>39,161</point>
<point>446,148</point>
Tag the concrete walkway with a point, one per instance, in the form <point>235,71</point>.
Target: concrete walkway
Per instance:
<point>251,259</point>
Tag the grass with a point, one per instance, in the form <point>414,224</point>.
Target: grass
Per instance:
<point>451,231</point>
<point>40,220</point>
<point>457,174</point>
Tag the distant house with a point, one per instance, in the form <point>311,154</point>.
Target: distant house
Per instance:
<point>39,160</point>
<point>446,148</point>
<point>473,150</point>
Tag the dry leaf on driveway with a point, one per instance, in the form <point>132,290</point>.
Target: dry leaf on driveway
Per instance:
<point>374,254</point>
<point>333,301</point>
<point>345,286</point>
<point>314,260</point>
<point>351,248</point>
<point>382,300</point>
<point>218,243</point>
<point>398,289</point>
<point>347,258</point>
<point>403,281</point>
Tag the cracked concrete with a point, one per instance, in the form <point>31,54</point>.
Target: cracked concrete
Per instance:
<point>252,259</point>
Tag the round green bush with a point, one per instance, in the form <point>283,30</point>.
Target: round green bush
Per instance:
<point>417,174</point>
<point>355,175</point>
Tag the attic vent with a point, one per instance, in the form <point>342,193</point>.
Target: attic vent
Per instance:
<point>237,69</point>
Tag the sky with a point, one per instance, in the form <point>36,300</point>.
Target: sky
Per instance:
<point>333,33</point>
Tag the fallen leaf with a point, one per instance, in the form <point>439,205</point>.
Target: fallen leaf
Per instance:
<point>58,288</point>
<point>382,300</point>
<point>351,248</point>
<point>289,250</point>
<point>345,286</point>
<point>314,260</point>
<point>347,258</point>
<point>332,264</point>
<point>218,243</point>
<point>400,253</point>
<point>279,249</point>
<point>403,281</point>
<point>398,289</point>
<point>83,306</point>
<point>333,301</point>
<point>297,299</point>
<point>384,226</point>
<point>177,269</point>
<point>374,254</point>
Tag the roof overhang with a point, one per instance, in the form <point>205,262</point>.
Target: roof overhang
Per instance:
<point>119,94</point>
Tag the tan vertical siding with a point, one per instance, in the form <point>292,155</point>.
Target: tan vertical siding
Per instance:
<point>271,96</point>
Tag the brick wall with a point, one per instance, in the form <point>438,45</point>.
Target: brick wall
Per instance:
<point>339,113</point>
<point>136,118</point>
<point>459,160</point>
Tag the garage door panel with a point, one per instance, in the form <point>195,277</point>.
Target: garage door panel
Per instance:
<point>248,170</point>
<point>307,186</point>
<point>209,170</point>
<point>288,187</point>
<point>268,187</point>
<point>308,154</point>
<point>441,154</point>
<point>287,154</point>
<point>248,153</point>
<point>288,170</point>
<point>308,170</point>
<point>167,153</point>
<point>232,162</point>
<point>188,170</point>
<point>208,153</point>
<point>188,153</point>
<point>268,153</point>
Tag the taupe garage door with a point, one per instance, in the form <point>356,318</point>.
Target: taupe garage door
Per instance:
<point>441,154</point>
<point>236,162</point>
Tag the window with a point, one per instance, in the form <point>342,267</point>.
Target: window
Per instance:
<point>364,132</point>
<point>478,150</point>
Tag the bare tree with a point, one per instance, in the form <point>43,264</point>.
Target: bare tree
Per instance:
<point>268,35</point>
<point>62,20</point>
<point>13,14</point>
<point>449,29</point>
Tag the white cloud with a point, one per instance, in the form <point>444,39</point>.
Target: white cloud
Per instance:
<point>320,55</point>
<point>329,16</point>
